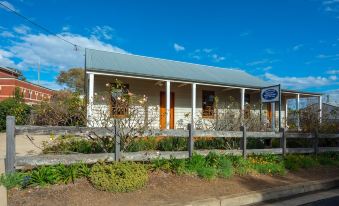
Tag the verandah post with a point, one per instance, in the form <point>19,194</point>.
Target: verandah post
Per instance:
<point>190,142</point>
<point>283,141</point>
<point>117,141</point>
<point>244,141</point>
<point>10,144</point>
<point>316,142</point>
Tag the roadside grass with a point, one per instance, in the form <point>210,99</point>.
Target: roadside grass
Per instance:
<point>206,167</point>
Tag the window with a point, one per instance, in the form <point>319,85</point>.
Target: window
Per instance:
<point>119,100</point>
<point>208,98</point>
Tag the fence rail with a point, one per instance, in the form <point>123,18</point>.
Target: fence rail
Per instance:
<point>13,162</point>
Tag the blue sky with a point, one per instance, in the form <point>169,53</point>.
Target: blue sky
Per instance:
<point>293,42</point>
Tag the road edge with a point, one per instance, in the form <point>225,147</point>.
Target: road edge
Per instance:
<point>264,195</point>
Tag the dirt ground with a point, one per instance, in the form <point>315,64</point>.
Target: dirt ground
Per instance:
<point>161,189</point>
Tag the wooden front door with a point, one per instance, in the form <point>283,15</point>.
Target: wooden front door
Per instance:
<point>163,110</point>
<point>269,112</point>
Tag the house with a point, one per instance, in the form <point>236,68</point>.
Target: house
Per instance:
<point>183,92</point>
<point>32,93</point>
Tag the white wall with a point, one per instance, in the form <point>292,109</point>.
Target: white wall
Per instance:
<point>182,97</point>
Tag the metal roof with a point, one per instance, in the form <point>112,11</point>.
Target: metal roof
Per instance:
<point>134,65</point>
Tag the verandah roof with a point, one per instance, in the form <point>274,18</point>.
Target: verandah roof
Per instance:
<point>127,64</point>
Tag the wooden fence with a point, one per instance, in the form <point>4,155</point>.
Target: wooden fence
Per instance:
<point>13,162</point>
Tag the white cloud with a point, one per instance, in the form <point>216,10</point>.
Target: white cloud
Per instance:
<point>65,28</point>
<point>330,2</point>
<point>269,51</point>
<point>326,56</point>
<point>262,61</point>
<point>301,82</point>
<point>5,58</point>
<point>22,29</point>
<point>217,58</point>
<point>178,47</point>
<point>103,32</point>
<point>245,33</point>
<point>206,53</point>
<point>297,47</point>
<point>6,34</point>
<point>54,54</point>
<point>9,5</point>
<point>267,68</point>
<point>332,71</point>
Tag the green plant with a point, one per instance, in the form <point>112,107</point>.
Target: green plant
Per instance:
<point>207,172</point>
<point>196,162</point>
<point>12,180</point>
<point>142,144</point>
<point>14,106</point>
<point>294,162</point>
<point>119,176</point>
<point>172,144</point>
<point>43,176</point>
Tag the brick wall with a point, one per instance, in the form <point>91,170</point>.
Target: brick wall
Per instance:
<point>32,93</point>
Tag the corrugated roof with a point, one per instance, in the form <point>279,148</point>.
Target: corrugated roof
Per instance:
<point>134,65</point>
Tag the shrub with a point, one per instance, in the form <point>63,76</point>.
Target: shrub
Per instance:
<point>15,107</point>
<point>267,164</point>
<point>295,162</point>
<point>12,180</point>
<point>43,176</point>
<point>63,109</point>
<point>69,144</point>
<point>142,144</point>
<point>172,144</point>
<point>196,162</point>
<point>118,177</point>
<point>207,173</point>
<point>241,165</point>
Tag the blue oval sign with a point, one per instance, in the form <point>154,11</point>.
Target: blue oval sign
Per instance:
<point>270,94</point>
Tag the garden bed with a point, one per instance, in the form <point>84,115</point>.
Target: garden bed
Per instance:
<point>163,188</point>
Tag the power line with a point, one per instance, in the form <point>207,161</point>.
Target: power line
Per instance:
<point>41,27</point>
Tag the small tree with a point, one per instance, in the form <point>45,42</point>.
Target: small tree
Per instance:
<point>74,79</point>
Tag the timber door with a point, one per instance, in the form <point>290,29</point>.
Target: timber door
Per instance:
<point>269,112</point>
<point>163,110</point>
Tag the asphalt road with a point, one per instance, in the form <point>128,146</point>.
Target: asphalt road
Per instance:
<point>321,198</point>
<point>334,201</point>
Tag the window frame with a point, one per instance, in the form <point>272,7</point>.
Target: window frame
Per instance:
<point>211,113</point>
<point>113,114</point>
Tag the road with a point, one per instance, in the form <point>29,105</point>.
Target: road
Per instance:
<point>321,198</point>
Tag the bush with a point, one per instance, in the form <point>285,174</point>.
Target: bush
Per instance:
<point>69,144</point>
<point>14,107</point>
<point>207,173</point>
<point>142,144</point>
<point>12,180</point>
<point>118,177</point>
<point>295,162</point>
<point>63,109</point>
<point>172,144</point>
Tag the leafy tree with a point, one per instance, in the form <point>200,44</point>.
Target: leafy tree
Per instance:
<point>14,106</point>
<point>73,79</point>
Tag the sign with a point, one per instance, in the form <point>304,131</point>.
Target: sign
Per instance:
<point>270,94</point>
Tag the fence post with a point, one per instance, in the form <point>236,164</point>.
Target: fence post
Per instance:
<point>316,142</point>
<point>244,141</point>
<point>117,142</point>
<point>283,141</point>
<point>190,143</point>
<point>10,144</point>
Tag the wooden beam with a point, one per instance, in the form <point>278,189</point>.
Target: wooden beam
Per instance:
<point>181,85</point>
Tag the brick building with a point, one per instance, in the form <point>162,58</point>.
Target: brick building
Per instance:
<point>32,93</point>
